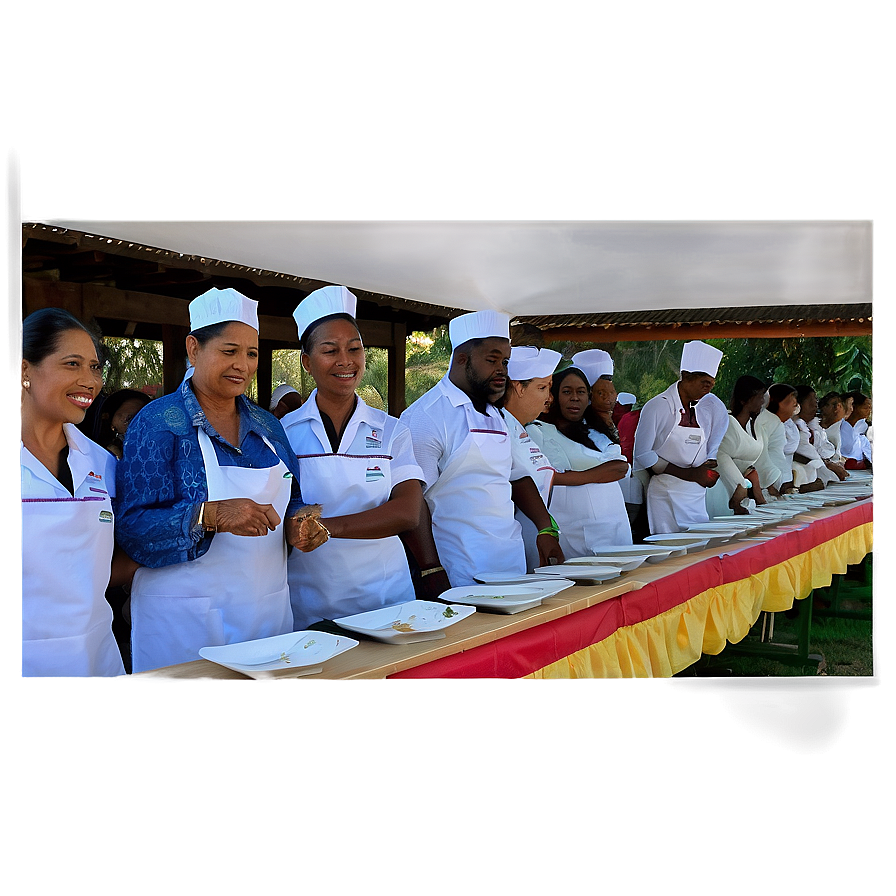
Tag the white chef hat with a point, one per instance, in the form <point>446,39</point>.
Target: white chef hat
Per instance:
<point>478,325</point>
<point>218,306</point>
<point>698,357</point>
<point>626,398</point>
<point>278,393</point>
<point>322,303</point>
<point>527,362</point>
<point>594,363</point>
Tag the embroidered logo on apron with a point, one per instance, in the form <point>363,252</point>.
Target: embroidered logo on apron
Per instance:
<point>374,473</point>
<point>105,516</point>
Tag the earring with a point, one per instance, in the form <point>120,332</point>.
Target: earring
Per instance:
<point>26,384</point>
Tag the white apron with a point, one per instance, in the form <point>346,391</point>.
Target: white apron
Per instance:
<point>543,475</point>
<point>672,503</point>
<point>472,511</point>
<point>347,575</point>
<point>589,516</point>
<point>236,591</point>
<point>66,561</point>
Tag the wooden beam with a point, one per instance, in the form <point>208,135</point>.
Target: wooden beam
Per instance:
<point>174,355</point>
<point>395,378</point>
<point>744,330</point>
<point>264,373</point>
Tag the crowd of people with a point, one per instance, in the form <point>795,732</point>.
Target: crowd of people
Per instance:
<point>202,519</point>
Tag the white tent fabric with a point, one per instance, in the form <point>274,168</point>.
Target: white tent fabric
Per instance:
<point>533,268</point>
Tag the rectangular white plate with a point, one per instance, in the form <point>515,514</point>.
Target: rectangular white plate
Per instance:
<point>303,652</point>
<point>407,623</point>
<point>626,564</point>
<point>589,574</point>
<point>679,541</point>
<point>499,598</point>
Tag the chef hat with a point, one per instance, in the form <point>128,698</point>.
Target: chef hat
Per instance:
<point>323,302</point>
<point>478,325</point>
<point>218,306</point>
<point>527,362</point>
<point>698,357</point>
<point>626,398</point>
<point>594,363</point>
<point>278,393</point>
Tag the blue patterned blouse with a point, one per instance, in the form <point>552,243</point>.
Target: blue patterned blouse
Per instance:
<point>160,481</point>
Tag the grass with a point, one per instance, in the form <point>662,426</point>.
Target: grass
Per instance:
<point>845,644</point>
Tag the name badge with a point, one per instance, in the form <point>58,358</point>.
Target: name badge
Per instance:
<point>374,473</point>
<point>694,439</point>
<point>105,516</point>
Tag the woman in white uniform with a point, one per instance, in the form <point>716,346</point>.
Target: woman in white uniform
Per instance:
<point>358,463</point>
<point>738,453</point>
<point>206,480</point>
<point>586,501</point>
<point>811,459</point>
<point>68,483</point>
<point>775,463</point>
<point>528,392</point>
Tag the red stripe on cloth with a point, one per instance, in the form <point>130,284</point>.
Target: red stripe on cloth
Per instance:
<point>526,652</point>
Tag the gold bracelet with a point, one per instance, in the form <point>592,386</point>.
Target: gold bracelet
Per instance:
<point>428,572</point>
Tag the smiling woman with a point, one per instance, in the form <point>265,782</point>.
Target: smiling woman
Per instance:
<point>358,463</point>
<point>205,483</point>
<point>67,523</point>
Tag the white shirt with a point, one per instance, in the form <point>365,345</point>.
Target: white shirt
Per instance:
<point>853,444</point>
<point>663,412</point>
<point>369,432</point>
<point>93,470</point>
<point>437,421</point>
<point>773,467</point>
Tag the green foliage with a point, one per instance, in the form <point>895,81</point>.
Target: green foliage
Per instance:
<point>131,364</point>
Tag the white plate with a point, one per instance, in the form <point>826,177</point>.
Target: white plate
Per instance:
<point>589,573</point>
<point>654,553</point>
<point>500,598</point>
<point>407,623</point>
<point>497,578</point>
<point>679,540</point>
<point>295,650</point>
<point>623,563</point>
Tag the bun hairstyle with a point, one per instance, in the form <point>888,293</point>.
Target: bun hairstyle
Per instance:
<point>306,343</point>
<point>745,388</point>
<point>777,393</point>
<point>42,330</point>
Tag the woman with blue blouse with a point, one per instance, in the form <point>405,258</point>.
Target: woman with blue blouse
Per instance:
<point>204,485</point>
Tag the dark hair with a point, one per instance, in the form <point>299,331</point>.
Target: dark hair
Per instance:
<point>777,393</point>
<point>577,432</point>
<point>110,409</point>
<point>829,399</point>
<point>42,330</point>
<point>593,420</point>
<point>306,343</point>
<point>745,388</point>
<point>468,346</point>
<point>803,391</point>
<point>858,399</point>
<point>212,331</point>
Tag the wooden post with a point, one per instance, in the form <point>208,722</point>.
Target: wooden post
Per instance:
<point>265,372</point>
<point>396,357</point>
<point>174,356</point>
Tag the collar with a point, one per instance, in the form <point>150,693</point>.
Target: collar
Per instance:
<point>459,398</point>
<point>249,420</point>
<point>363,412</point>
<point>76,439</point>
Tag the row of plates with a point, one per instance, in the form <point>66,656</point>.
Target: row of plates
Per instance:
<point>304,653</point>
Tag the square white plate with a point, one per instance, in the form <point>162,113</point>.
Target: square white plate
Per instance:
<point>500,598</point>
<point>305,651</point>
<point>590,573</point>
<point>407,623</point>
<point>679,540</point>
<point>623,563</point>
<point>655,553</point>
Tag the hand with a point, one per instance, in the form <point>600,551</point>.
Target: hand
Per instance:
<point>705,475</point>
<point>838,469</point>
<point>434,584</point>
<point>773,492</point>
<point>242,516</point>
<point>306,533</point>
<point>739,494</point>
<point>548,549</point>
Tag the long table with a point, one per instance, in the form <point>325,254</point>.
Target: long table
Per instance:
<point>651,622</point>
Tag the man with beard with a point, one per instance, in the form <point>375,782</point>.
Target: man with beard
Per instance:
<point>472,481</point>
